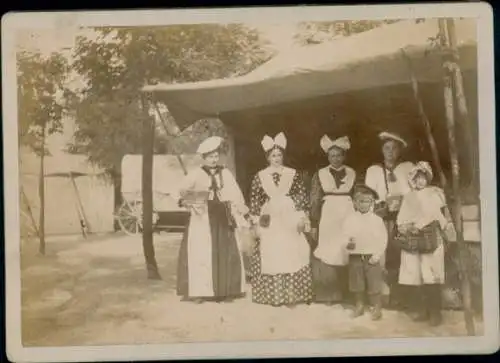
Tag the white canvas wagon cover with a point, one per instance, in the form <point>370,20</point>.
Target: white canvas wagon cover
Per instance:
<point>167,173</point>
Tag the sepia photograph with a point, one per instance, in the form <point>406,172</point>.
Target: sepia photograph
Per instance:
<point>230,183</point>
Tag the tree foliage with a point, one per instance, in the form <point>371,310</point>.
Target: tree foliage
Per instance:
<point>309,33</point>
<point>41,97</point>
<point>117,63</point>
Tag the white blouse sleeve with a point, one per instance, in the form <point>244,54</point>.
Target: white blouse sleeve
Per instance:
<point>371,179</point>
<point>404,214</point>
<point>187,183</point>
<point>233,192</point>
<point>440,203</point>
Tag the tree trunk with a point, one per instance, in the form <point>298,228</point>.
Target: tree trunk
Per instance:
<point>118,199</point>
<point>41,193</point>
<point>147,194</point>
<point>457,210</point>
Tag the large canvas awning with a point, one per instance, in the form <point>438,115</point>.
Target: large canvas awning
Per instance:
<point>367,60</point>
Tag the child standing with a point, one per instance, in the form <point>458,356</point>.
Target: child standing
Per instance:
<point>366,238</point>
<point>421,223</point>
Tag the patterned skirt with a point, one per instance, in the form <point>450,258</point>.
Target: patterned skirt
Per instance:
<point>280,289</point>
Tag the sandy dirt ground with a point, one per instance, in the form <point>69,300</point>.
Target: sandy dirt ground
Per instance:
<point>95,292</point>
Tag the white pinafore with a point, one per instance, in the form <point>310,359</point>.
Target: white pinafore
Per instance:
<point>337,205</point>
<point>283,248</point>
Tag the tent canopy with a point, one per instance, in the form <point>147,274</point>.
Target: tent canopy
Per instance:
<point>367,60</point>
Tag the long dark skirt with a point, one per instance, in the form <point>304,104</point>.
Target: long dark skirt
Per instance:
<point>329,282</point>
<point>280,289</point>
<point>226,260</point>
<point>397,292</point>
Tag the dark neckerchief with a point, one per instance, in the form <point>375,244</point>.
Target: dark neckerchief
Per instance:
<point>391,177</point>
<point>338,175</point>
<point>212,172</point>
<point>276,178</point>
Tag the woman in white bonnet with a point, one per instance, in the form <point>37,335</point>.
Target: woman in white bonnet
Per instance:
<point>330,203</point>
<point>281,272</point>
<point>210,263</point>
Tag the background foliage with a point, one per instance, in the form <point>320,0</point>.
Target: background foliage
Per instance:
<point>120,61</point>
<point>41,95</point>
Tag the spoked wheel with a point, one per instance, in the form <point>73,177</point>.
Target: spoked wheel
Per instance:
<point>130,217</point>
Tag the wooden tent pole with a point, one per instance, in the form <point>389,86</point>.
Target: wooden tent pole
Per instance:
<point>164,124</point>
<point>457,210</point>
<point>148,131</point>
<point>453,66</point>
<point>84,225</point>
<point>427,127</point>
<point>425,121</point>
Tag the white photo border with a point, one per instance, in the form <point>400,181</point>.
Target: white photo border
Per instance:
<point>488,343</point>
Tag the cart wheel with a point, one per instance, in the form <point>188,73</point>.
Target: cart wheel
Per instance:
<point>130,217</point>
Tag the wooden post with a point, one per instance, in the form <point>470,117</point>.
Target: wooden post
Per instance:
<point>30,211</point>
<point>457,210</point>
<point>41,192</point>
<point>148,130</point>
<point>84,224</point>
<point>425,121</point>
<point>454,67</point>
<point>348,27</point>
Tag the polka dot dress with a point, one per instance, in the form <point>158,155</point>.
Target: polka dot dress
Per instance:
<point>286,288</point>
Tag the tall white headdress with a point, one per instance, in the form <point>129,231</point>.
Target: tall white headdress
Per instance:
<point>268,142</point>
<point>342,143</point>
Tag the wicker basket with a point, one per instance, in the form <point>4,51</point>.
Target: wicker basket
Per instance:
<point>425,240</point>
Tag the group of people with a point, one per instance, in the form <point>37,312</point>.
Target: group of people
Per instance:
<point>385,235</point>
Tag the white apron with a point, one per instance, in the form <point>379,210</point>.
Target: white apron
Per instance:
<point>331,247</point>
<point>283,248</point>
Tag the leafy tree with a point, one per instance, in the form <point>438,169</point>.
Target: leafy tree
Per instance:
<point>41,94</point>
<point>309,33</point>
<point>119,61</point>
<point>122,60</point>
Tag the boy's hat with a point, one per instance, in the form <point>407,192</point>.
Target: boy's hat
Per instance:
<point>364,189</point>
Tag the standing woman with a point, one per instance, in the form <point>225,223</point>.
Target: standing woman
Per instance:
<point>330,203</point>
<point>281,267</point>
<point>210,264</point>
<point>390,180</point>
